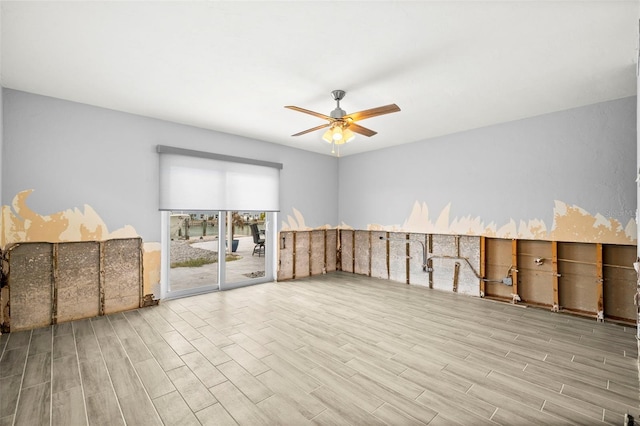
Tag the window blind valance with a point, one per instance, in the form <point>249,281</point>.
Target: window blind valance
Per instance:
<point>196,180</point>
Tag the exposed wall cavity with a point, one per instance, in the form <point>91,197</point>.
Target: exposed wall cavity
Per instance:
<point>50,283</point>
<point>593,279</point>
<point>67,265</point>
<point>301,254</point>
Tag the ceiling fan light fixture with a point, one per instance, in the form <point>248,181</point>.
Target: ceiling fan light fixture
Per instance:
<point>348,135</point>
<point>342,127</point>
<point>327,136</point>
<point>337,133</point>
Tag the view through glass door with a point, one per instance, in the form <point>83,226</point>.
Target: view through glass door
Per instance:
<point>193,252</point>
<point>194,260</point>
<point>247,258</point>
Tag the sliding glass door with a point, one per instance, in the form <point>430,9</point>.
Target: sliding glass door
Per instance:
<point>217,212</point>
<point>216,250</point>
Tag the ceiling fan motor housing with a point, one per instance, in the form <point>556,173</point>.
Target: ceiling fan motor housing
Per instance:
<point>338,95</point>
<point>338,113</point>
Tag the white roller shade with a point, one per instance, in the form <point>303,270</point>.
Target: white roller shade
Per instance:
<point>195,180</point>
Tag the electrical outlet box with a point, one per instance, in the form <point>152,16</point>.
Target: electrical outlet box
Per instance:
<point>507,281</point>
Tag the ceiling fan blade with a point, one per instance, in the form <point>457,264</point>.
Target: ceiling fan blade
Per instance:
<point>362,130</point>
<point>373,112</point>
<point>322,126</point>
<point>307,111</point>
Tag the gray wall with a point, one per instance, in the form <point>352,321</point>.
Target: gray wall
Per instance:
<point>73,154</point>
<point>1,136</point>
<point>584,156</point>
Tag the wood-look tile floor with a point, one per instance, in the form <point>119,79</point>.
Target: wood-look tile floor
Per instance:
<point>336,349</point>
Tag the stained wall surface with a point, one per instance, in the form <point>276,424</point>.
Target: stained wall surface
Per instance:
<point>564,176</point>
<point>97,141</point>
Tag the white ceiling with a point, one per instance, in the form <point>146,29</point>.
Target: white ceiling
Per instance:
<point>232,66</point>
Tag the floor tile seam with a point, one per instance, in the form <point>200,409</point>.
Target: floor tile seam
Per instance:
<point>84,399</point>
<point>339,378</point>
<point>24,368</point>
<point>174,349</point>
<point>197,378</point>
<point>152,314</point>
<point>389,389</point>
<point>583,391</point>
<point>575,411</point>
<point>540,394</point>
<point>404,412</point>
<point>248,337</point>
<point>312,420</point>
<point>177,389</point>
<point>553,414</point>
<point>630,390</point>
<point>619,361</point>
<point>354,401</point>
<point>599,374</point>
<point>549,362</point>
<point>153,355</point>
<point>563,377</point>
<point>240,390</point>
<point>255,404</point>
<point>239,363</point>
<point>615,369</point>
<point>104,363</point>
<point>599,340</point>
<point>4,346</point>
<point>439,402</point>
<point>211,341</point>
<point>539,391</point>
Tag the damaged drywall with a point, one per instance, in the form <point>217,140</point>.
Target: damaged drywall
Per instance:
<point>580,278</point>
<point>571,223</point>
<point>80,242</point>
<point>49,283</point>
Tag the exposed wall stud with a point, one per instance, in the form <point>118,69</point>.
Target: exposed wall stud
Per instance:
<point>353,251</point>
<point>456,274</point>
<point>101,278</point>
<point>483,260</point>
<point>388,260</point>
<point>54,283</point>
<point>600,282</point>
<point>293,254</point>
<point>514,271</point>
<point>370,251</point>
<point>324,267</point>
<point>408,258</point>
<point>141,271</point>
<point>309,251</point>
<point>555,277</point>
<point>338,250</point>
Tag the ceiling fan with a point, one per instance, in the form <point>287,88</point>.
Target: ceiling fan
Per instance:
<point>342,125</point>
